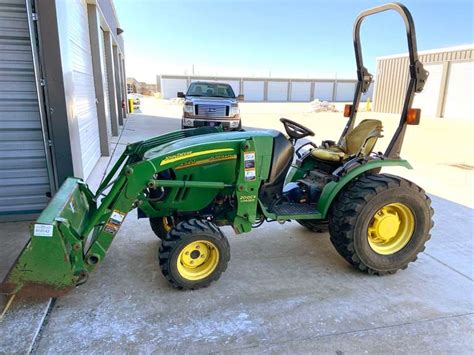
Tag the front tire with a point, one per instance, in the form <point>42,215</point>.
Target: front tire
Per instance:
<point>161,226</point>
<point>379,223</point>
<point>194,254</point>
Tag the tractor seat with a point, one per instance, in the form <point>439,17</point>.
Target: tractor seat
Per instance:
<point>360,141</point>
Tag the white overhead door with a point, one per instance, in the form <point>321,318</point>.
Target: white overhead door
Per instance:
<point>105,81</point>
<point>460,91</point>
<point>170,87</point>
<point>345,91</point>
<point>253,90</point>
<point>323,90</point>
<point>85,110</point>
<point>277,91</point>
<point>24,179</point>
<point>300,91</point>
<point>428,99</point>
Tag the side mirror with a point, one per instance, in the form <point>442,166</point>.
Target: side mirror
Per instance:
<point>181,95</point>
<point>240,98</point>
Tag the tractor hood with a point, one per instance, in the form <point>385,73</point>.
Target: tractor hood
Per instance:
<point>205,141</point>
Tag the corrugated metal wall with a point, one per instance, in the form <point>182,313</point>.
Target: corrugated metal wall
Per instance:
<point>24,179</point>
<point>392,77</point>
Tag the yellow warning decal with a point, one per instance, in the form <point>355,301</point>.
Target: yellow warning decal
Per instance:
<point>186,155</point>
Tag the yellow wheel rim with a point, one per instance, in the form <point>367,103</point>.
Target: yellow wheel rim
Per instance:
<point>167,225</point>
<point>391,228</point>
<point>198,260</point>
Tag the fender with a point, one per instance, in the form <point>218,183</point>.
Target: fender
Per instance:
<point>332,189</point>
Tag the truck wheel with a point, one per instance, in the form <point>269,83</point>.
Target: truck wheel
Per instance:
<point>379,223</point>
<point>314,225</point>
<point>161,226</point>
<point>194,254</point>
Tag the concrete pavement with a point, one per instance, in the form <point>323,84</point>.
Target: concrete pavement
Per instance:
<point>286,290</point>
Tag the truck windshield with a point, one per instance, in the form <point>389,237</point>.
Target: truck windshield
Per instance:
<point>210,90</point>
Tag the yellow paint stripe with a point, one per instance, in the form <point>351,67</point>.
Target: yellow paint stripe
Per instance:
<point>207,161</point>
<point>175,158</point>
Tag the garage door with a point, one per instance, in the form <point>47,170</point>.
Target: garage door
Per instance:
<point>428,99</point>
<point>460,93</point>
<point>24,178</point>
<point>171,87</point>
<point>323,91</point>
<point>277,91</point>
<point>103,57</point>
<point>85,111</point>
<point>253,90</point>
<point>345,91</point>
<point>300,91</point>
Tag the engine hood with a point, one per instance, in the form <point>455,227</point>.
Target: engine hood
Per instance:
<point>200,100</point>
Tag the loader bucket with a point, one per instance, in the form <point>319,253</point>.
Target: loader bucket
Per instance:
<point>45,266</point>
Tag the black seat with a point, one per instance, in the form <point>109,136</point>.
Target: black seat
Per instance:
<point>282,156</point>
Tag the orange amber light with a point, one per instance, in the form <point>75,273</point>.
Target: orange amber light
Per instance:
<point>413,116</point>
<point>347,110</point>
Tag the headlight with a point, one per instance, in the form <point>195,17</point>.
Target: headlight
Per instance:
<point>188,122</point>
<point>235,110</point>
<point>189,108</point>
<point>234,124</point>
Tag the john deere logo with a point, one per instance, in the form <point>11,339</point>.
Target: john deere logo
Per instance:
<point>212,110</point>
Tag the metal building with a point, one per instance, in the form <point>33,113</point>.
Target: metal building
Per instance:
<point>268,89</point>
<point>449,91</point>
<point>61,91</point>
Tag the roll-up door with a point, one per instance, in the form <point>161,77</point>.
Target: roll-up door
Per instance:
<point>345,91</point>
<point>105,81</point>
<point>277,91</point>
<point>85,110</point>
<point>253,90</point>
<point>24,172</point>
<point>460,91</point>
<point>323,90</point>
<point>300,91</point>
<point>171,87</point>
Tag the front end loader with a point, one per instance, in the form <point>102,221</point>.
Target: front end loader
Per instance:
<point>188,183</point>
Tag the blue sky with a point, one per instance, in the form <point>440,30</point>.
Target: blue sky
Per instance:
<point>277,38</point>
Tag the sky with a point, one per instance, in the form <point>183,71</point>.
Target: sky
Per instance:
<point>277,38</point>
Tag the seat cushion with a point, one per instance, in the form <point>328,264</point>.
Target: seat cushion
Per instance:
<point>328,154</point>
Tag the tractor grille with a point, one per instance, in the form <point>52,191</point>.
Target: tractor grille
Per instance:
<point>212,110</point>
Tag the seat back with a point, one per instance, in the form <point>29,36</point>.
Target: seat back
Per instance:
<point>362,139</point>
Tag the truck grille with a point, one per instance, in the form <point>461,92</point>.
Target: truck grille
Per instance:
<point>212,111</point>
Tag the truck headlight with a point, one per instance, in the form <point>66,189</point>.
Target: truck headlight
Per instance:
<point>189,108</point>
<point>235,110</point>
<point>234,124</point>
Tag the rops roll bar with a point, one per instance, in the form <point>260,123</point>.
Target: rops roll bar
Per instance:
<point>418,74</point>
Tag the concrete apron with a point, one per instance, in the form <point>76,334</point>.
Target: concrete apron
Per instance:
<point>286,290</point>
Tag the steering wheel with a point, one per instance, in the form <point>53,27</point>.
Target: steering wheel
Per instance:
<point>295,130</point>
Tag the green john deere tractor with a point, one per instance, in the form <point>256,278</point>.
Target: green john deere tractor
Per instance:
<point>191,182</point>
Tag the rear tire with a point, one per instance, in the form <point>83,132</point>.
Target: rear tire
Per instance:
<point>379,223</point>
<point>194,254</point>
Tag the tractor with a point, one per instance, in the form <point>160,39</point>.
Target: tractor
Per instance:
<point>189,183</point>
